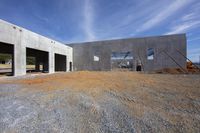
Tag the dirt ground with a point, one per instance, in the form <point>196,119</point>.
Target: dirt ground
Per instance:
<point>102,102</point>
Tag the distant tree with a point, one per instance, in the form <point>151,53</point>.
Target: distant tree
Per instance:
<point>30,60</point>
<point>5,57</point>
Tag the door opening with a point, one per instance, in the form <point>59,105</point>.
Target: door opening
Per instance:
<point>70,66</point>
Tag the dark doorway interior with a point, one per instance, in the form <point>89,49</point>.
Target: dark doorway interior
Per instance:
<point>139,68</point>
<point>60,62</point>
<point>70,66</point>
<point>6,59</point>
<point>138,65</point>
<point>37,61</point>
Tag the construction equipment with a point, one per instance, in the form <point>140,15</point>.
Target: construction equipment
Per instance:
<point>191,64</point>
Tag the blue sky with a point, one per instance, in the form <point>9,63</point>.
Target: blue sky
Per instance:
<point>87,20</point>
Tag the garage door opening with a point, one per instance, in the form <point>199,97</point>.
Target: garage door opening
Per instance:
<point>60,63</point>
<point>122,61</point>
<point>6,59</point>
<point>37,61</point>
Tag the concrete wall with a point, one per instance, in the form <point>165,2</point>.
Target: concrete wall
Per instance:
<point>21,39</point>
<point>83,53</point>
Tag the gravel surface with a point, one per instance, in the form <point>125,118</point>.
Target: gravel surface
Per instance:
<point>100,102</point>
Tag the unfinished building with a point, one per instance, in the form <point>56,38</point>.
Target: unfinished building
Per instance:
<point>135,54</point>
<point>20,43</point>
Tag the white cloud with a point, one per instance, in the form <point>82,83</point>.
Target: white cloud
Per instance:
<point>188,16</point>
<point>164,14</point>
<point>88,13</point>
<point>183,27</point>
<point>186,22</point>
